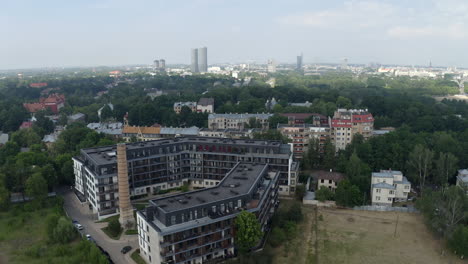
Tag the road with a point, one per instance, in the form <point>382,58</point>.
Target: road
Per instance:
<point>81,213</point>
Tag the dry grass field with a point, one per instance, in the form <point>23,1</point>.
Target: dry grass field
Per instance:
<point>363,237</point>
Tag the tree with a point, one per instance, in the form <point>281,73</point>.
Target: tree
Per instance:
<point>421,160</point>
<point>248,231</point>
<point>311,158</point>
<point>295,213</point>
<point>324,194</point>
<point>329,155</point>
<point>358,173</point>
<point>36,188</point>
<point>4,193</point>
<point>300,191</point>
<point>459,240</point>
<point>64,232</point>
<point>277,119</point>
<point>277,237</point>
<point>106,113</point>
<point>445,167</point>
<point>114,227</point>
<point>51,224</point>
<point>347,194</point>
<point>271,135</point>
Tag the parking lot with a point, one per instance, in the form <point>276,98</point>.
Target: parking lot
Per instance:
<point>80,213</point>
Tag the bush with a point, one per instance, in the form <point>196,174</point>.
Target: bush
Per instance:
<point>459,241</point>
<point>64,232</point>
<point>300,192</point>
<point>114,227</point>
<point>295,213</point>
<point>277,237</point>
<point>324,194</point>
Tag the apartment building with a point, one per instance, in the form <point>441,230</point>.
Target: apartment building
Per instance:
<point>227,133</point>
<point>348,122</point>
<point>388,186</point>
<point>179,105</point>
<point>300,136</point>
<point>301,118</point>
<point>170,163</point>
<point>198,226</point>
<point>236,121</point>
<point>152,133</point>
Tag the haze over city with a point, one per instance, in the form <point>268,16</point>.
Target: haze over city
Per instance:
<point>116,32</point>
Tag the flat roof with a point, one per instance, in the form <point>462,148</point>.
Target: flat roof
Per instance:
<point>104,154</point>
<point>238,182</point>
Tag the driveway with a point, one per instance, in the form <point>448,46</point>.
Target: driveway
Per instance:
<point>82,214</point>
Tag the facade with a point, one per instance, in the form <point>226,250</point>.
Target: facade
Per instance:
<point>236,121</point>
<point>178,106</point>
<point>302,134</point>
<point>328,179</point>
<point>110,128</point>
<point>462,178</point>
<point>203,59</point>
<point>388,186</point>
<point>226,133</point>
<point>170,163</point>
<point>205,105</point>
<point>198,226</point>
<point>348,122</point>
<point>306,104</point>
<point>194,61</point>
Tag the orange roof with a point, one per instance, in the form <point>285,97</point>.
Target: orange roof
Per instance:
<point>33,107</point>
<point>142,130</point>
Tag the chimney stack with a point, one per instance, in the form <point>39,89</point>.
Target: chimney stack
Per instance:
<point>125,207</point>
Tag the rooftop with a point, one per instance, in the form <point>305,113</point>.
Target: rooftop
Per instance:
<point>329,175</point>
<point>239,181</point>
<point>383,185</point>
<point>238,116</point>
<point>206,101</point>
<point>386,173</point>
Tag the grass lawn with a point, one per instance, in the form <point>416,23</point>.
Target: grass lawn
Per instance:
<point>137,258</point>
<point>109,234</point>
<point>24,239</point>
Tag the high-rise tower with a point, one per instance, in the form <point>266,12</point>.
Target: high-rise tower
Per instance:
<point>203,55</point>
<point>125,207</point>
<point>194,65</point>
<point>299,63</point>
<point>163,64</point>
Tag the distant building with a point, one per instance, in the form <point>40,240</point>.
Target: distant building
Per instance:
<point>348,122</point>
<point>300,135</point>
<point>194,61</point>
<point>236,121</point>
<point>179,105</point>
<point>110,128</point>
<point>3,138</point>
<point>299,63</point>
<point>141,133</point>
<point>156,65</point>
<point>26,125</point>
<point>382,131</point>
<point>226,133</point>
<point>328,179</point>
<point>306,104</point>
<point>111,106</point>
<point>388,186</point>
<point>38,85</point>
<point>462,178</point>
<point>163,64</point>
<point>300,118</point>
<point>203,59</point>
<point>270,104</point>
<point>271,66</point>
<point>54,102</point>
<point>78,117</point>
<point>154,92</point>
<point>205,105</point>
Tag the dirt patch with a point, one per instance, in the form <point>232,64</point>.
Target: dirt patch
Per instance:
<point>377,237</point>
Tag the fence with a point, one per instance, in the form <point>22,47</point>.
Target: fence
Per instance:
<point>386,208</point>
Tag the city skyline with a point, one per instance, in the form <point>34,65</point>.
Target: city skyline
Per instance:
<point>56,34</point>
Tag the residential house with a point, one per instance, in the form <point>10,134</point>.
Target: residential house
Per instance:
<point>388,186</point>
<point>237,121</point>
<point>110,128</point>
<point>328,179</point>
<point>462,179</point>
<point>301,134</point>
<point>179,105</point>
<point>205,105</point>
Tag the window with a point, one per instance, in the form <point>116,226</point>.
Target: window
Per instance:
<point>391,192</point>
<point>322,180</point>
<point>406,186</point>
<point>213,208</point>
<point>377,198</point>
<point>173,220</point>
<point>377,190</point>
<point>239,203</point>
<point>329,181</point>
<point>389,199</point>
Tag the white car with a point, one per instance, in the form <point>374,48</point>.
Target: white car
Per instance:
<point>79,227</point>
<point>88,237</point>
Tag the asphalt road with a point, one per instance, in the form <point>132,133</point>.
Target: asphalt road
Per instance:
<point>81,213</point>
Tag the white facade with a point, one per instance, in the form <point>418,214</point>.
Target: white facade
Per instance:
<point>388,186</point>
<point>205,108</point>
<point>462,179</point>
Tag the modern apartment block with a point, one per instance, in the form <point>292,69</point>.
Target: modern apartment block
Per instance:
<point>236,121</point>
<point>388,186</point>
<point>198,226</point>
<point>301,136</point>
<point>169,163</point>
<point>348,122</point>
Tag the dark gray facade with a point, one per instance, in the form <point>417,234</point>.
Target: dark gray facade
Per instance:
<point>203,58</point>
<point>194,61</point>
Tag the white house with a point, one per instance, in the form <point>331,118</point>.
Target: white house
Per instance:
<point>462,178</point>
<point>388,186</point>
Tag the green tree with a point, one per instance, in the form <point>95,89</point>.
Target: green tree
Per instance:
<point>4,193</point>
<point>420,159</point>
<point>277,237</point>
<point>311,158</point>
<point>106,113</point>
<point>248,231</point>
<point>36,188</point>
<point>324,194</point>
<point>329,155</point>
<point>459,240</point>
<point>347,194</point>
<point>64,232</point>
<point>445,167</point>
<point>300,191</point>
<point>114,227</point>
<point>51,224</point>
<point>358,173</point>
<point>277,119</point>
<point>295,213</point>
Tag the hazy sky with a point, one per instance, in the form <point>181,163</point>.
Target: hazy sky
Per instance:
<point>42,33</point>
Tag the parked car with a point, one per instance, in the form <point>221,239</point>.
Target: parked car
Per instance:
<point>88,237</point>
<point>74,222</point>
<point>79,227</point>
<point>126,249</point>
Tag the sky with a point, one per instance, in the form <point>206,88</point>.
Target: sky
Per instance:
<point>58,33</point>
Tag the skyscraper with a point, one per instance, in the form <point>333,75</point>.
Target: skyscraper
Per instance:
<point>194,65</point>
<point>156,64</point>
<point>299,63</point>
<point>203,52</point>
<point>163,64</point>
